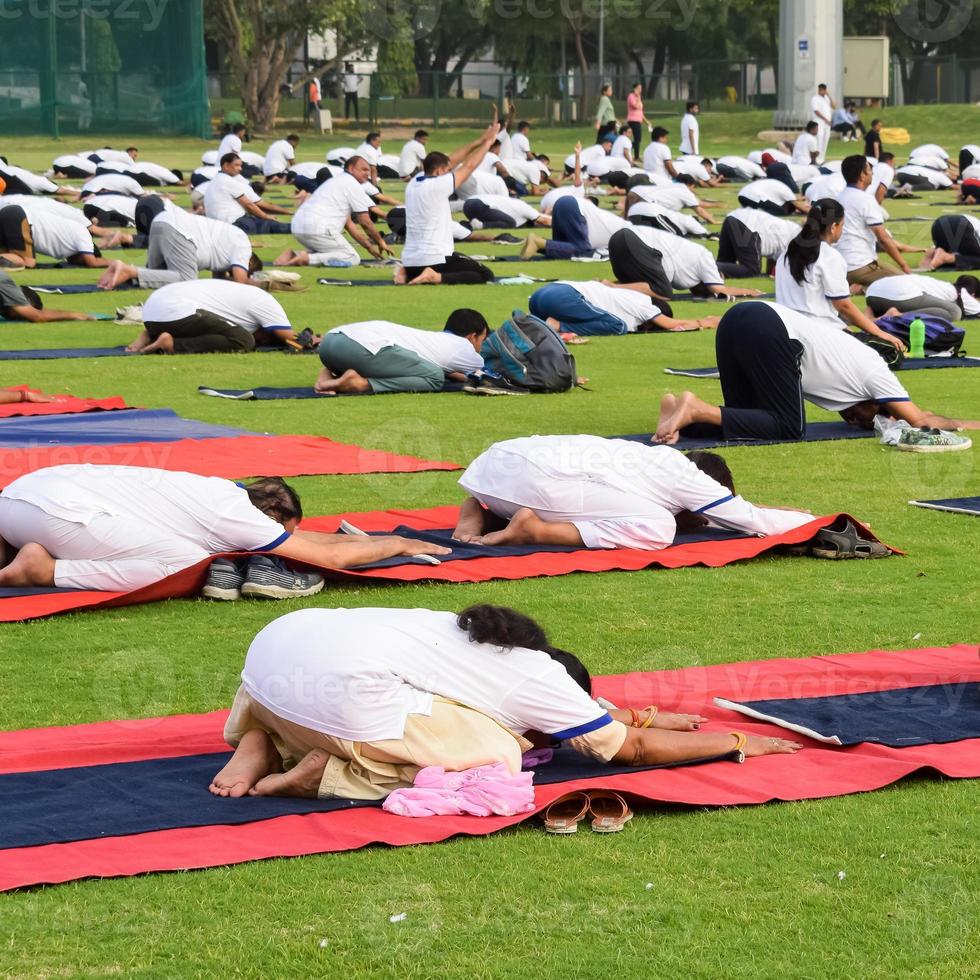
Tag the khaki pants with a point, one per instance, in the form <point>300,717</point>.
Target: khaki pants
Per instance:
<point>453,736</point>
<point>870,273</point>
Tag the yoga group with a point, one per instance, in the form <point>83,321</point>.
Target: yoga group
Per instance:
<point>479,687</point>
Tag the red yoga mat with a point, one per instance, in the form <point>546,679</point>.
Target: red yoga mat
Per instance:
<point>816,772</point>
<point>66,405</point>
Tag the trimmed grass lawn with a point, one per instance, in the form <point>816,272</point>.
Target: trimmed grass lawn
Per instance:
<point>750,892</point>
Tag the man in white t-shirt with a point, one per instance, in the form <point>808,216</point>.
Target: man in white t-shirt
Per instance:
<point>428,256</point>
<point>412,154</point>
<point>657,155</point>
<point>30,225</point>
<point>590,154</point>
<point>279,158</point>
<point>592,308</point>
<point>205,316</point>
<point>691,131</point>
<point>864,227</point>
<point>593,492</point>
<point>770,359</point>
<point>17,180</point>
<point>338,204</point>
<point>380,357</point>
<point>230,198</point>
<point>806,149</point>
<point>350,84</point>
<point>370,150</point>
<point>231,142</point>
<point>497,211</point>
<point>677,196</point>
<point>520,144</point>
<point>579,227</point>
<point>822,110</point>
<point>773,197</point>
<point>749,235</point>
<point>121,528</point>
<point>739,168</point>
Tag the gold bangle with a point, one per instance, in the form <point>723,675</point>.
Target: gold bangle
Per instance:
<point>740,740</point>
<point>651,714</point>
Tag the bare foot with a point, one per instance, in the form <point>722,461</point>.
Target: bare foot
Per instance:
<point>671,722</point>
<point>292,257</point>
<point>940,258</point>
<point>689,408</point>
<point>427,277</point>
<point>518,531</point>
<point>116,274</point>
<point>349,383</point>
<point>117,240</point>
<point>32,565</point>
<point>254,758</point>
<point>164,344</point>
<point>302,780</point>
<point>472,521</point>
<point>399,277</point>
<point>139,343</point>
<point>668,405</point>
<point>892,311</point>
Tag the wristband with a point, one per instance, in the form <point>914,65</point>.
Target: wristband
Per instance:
<point>651,714</point>
<point>740,741</point>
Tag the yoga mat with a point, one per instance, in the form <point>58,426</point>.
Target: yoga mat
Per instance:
<point>931,715</point>
<point>815,432</point>
<point>818,771</point>
<point>60,353</point>
<point>94,316</point>
<point>232,458</point>
<point>707,550</point>
<point>66,289</point>
<point>66,405</point>
<point>955,505</point>
<point>261,394</point>
<point>909,364</point>
<point>109,429</point>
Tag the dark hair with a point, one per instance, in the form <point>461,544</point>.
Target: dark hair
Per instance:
<point>885,157</point>
<point>658,132</point>
<point>464,322</point>
<point>433,161</point>
<point>684,179</point>
<point>713,465</point>
<point>258,186</point>
<point>970,283</point>
<point>625,128</point>
<point>372,136</point>
<point>543,158</point>
<point>419,133</point>
<point>229,158</point>
<point>523,124</point>
<point>822,85</point>
<point>637,82</point>
<point>665,308</point>
<point>638,180</point>
<point>691,105</point>
<point>255,264</point>
<point>132,149</point>
<point>812,125</point>
<point>292,138</point>
<point>179,174</point>
<point>323,175</point>
<point>275,498</point>
<point>852,167</point>
<point>804,250</point>
<point>505,627</point>
<point>874,122</point>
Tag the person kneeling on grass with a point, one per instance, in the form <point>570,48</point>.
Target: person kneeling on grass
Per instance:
<point>379,357</point>
<point>603,493</point>
<point>121,528</point>
<point>771,358</point>
<point>605,308</point>
<point>211,315</point>
<point>23,303</point>
<point>456,691</point>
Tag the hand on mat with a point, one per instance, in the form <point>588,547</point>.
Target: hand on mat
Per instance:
<point>757,745</point>
<point>413,548</point>
<point>671,722</point>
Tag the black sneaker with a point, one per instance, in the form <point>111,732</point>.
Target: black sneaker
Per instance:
<point>225,578</point>
<point>269,577</point>
<point>484,384</point>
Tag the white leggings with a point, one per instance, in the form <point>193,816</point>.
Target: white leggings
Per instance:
<point>108,554</point>
<point>325,249</point>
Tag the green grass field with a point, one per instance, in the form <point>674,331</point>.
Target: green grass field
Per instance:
<point>749,892</point>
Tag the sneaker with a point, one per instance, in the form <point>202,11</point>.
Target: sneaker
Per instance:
<point>492,386</point>
<point>224,581</point>
<point>269,577</point>
<point>927,440</point>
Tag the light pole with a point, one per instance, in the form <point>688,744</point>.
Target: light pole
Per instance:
<point>602,42</point>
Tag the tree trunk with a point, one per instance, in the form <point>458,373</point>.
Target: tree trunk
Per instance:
<point>640,70</point>
<point>583,66</point>
<point>659,61</point>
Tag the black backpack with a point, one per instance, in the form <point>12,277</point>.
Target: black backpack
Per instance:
<point>527,352</point>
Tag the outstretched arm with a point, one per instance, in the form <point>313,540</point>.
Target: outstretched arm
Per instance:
<point>920,417</point>
<point>330,552</point>
<point>479,150</point>
<point>458,156</point>
<point>888,245</point>
<point>862,321</point>
<point>651,746</point>
<point>31,315</point>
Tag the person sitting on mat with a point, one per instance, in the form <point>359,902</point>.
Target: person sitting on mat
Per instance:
<point>120,528</point>
<point>456,691</point>
<point>602,493</point>
<point>229,197</point>
<point>771,359</point>
<point>205,316</point>
<point>956,241</point>
<point>379,357</point>
<point>29,226</point>
<point>23,303</point>
<point>811,277</point>
<point>923,294</point>
<point>604,308</point>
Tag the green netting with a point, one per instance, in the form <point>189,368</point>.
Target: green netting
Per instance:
<point>134,66</point>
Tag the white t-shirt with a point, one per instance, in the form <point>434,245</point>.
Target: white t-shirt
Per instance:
<point>327,209</point>
<point>36,183</point>
<point>778,155</point>
<point>428,220</point>
<point>693,167</point>
<point>971,173</point>
<point>673,196</point>
<point>898,288</point>
<point>824,281</point>
<point>685,263</point>
<point>118,166</point>
<point>528,171</point>
<point>370,153</point>
<point>513,207</point>
<point>105,153</point>
<point>655,156</point>
<point>926,160</point>
<point>351,82</point>
<point>774,233</point>
<point>858,242</point>
<point>520,146</point>
<point>548,201</point>
<point>222,194</point>
<point>220,246</point>
<point>973,150</point>
<point>230,143</point>
<point>622,148</point>
<point>340,155</point>
<point>602,225</point>
<point>213,514</point>
<point>805,145</point>
<point>480,183</point>
<point>882,174</point>
<point>935,177</point>
<point>404,658</point>
<point>771,191</point>
<point>752,171</point>
<point>156,171</point>
<point>930,149</point>
<point>553,474</point>
<point>587,156</point>
<point>254,159</point>
<point>236,302</point>
<point>676,221</point>
<point>411,157</point>
<point>442,348</point>
<point>838,371</point>
<point>690,133</point>
<point>120,203</point>
<point>488,164</point>
<point>56,233</point>
<point>278,158</point>
<point>821,104</point>
<point>828,185</point>
<point>71,160</point>
<point>117,183</point>
<point>627,305</point>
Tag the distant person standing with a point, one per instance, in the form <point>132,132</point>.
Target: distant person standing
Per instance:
<point>605,114</point>
<point>313,97</point>
<point>822,110</point>
<point>691,131</point>
<point>634,116</point>
<point>872,142</point>
<point>350,83</point>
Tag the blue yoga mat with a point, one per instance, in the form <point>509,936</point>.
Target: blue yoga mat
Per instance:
<point>66,289</point>
<point>125,798</point>
<point>815,432</point>
<point>910,364</point>
<point>931,715</point>
<point>59,353</point>
<point>954,505</point>
<point>107,429</point>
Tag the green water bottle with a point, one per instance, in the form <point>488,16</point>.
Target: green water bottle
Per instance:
<point>917,337</point>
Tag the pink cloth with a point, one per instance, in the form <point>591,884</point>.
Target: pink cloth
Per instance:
<point>480,792</point>
<point>634,108</point>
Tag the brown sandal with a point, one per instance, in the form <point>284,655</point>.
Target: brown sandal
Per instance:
<point>609,812</point>
<point>563,815</point>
